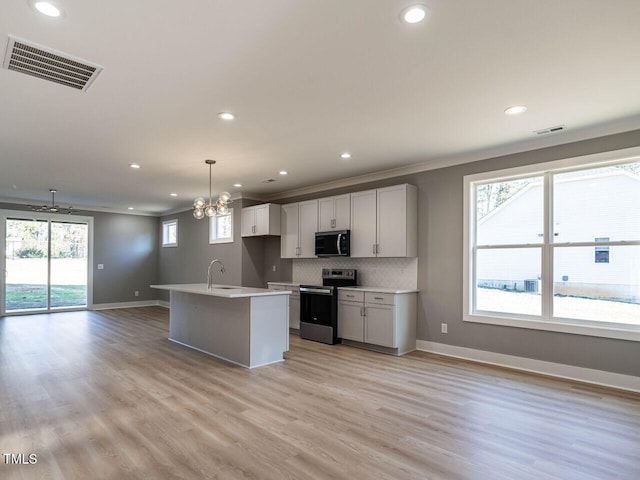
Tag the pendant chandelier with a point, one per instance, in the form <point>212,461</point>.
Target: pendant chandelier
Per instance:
<point>53,208</point>
<point>221,207</point>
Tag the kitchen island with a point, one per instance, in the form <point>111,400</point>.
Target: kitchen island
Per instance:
<point>245,326</point>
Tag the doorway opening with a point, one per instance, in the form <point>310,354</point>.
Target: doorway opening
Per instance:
<point>46,263</point>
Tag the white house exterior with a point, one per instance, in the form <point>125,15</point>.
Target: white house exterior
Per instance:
<point>611,272</point>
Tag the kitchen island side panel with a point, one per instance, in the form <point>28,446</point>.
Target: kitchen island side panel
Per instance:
<point>216,325</point>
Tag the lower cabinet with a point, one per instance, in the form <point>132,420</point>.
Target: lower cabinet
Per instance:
<point>294,304</point>
<point>376,319</point>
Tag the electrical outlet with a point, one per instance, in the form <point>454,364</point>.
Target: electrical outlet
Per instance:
<point>136,293</point>
<point>443,328</point>
<point>100,266</point>
<point>274,268</point>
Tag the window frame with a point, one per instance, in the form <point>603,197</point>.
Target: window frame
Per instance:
<point>545,321</point>
<point>213,226</point>
<point>165,226</point>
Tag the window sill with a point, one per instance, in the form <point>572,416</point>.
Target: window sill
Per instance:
<point>617,331</point>
<point>222,240</point>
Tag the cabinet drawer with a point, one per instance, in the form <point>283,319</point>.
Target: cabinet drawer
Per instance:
<point>379,298</point>
<point>351,295</point>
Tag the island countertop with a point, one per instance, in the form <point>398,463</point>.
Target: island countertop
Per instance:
<point>225,291</point>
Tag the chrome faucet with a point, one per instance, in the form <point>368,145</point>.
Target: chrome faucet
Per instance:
<point>209,279</point>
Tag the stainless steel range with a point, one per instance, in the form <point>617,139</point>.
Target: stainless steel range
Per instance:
<point>319,305</point>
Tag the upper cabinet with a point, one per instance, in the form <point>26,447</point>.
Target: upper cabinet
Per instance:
<point>299,224</point>
<point>261,220</point>
<point>384,222</point>
<point>334,213</point>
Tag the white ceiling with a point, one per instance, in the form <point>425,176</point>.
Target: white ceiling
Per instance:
<point>307,80</point>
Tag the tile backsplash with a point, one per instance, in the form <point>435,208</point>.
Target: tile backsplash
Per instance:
<point>372,272</point>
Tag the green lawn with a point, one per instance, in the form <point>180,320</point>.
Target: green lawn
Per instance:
<point>26,296</point>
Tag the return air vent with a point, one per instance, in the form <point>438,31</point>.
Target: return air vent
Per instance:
<point>47,64</point>
<point>546,131</point>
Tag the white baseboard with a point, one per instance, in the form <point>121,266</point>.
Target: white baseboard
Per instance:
<point>580,374</point>
<point>163,303</point>
<point>109,306</point>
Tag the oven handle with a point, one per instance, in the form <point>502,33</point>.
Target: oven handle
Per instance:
<point>319,291</point>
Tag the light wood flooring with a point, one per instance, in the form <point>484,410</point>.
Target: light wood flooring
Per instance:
<point>105,395</point>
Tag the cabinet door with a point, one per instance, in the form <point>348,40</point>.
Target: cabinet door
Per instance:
<point>262,219</point>
<point>325,214</point>
<point>342,212</point>
<point>248,221</point>
<point>289,231</point>
<point>308,226</point>
<point>379,325</point>
<point>392,222</point>
<point>294,312</point>
<point>363,223</point>
<point>350,321</point>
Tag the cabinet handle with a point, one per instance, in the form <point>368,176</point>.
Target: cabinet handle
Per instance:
<point>362,311</point>
<point>374,248</point>
<point>350,296</point>
<point>378,298</point>
<point>377,248</point>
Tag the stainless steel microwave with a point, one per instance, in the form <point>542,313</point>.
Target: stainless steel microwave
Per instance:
<point>333,244</point>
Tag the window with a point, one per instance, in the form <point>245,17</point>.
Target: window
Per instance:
<point>221,228</point>
<point>530,237</point>
<point>602,253</point>
<point>170,233</point>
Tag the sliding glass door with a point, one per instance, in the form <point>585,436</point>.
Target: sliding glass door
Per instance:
<point>46,263</point>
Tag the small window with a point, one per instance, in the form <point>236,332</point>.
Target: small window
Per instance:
<point>602,251</point>
<point>221,228</point>
<point>170,233</point>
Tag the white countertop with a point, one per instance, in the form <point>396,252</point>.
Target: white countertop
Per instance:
<point>357,287</point>
<point>225,291</point>
<point>289,284</point>
<point>380,289</point>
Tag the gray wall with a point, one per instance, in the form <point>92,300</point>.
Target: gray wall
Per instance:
<point>127,246</point>
<point>440,230</point>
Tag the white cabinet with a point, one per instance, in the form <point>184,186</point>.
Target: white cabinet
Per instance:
<point>299,224</point>
<point>384,222</point>
<point>261,220</point>
<point>294,303</point>
<point>351,315</point>
<point>376,320</point>
<point>334,213</point>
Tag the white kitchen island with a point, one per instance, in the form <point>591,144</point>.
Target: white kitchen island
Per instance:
<point>245,326</point>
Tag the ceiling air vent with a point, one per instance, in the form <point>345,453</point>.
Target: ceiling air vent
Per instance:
<point>48,64</point>
<point>545,131</point>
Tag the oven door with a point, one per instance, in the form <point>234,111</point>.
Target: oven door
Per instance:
<point>316,305</point>
<point>318,314</point>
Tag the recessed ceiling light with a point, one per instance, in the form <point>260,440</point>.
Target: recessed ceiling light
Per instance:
<point>238,185</point>
<point>226,115</point>
<point>134,166</point>
<point>515,110</point>
<point>283,172</point>
<point>47,8</point>
<point>414,13</point>
<point>130,208</point>
<point>345,155</point>
<point>173,194</point>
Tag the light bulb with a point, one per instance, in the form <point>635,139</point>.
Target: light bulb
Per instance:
<point>199,203</point>
<point>48,9</point>
<point>198,213</point>
<point>210,211</point>
<point>222,209</point>
<point>414,14</point>
<point>224,197</point>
